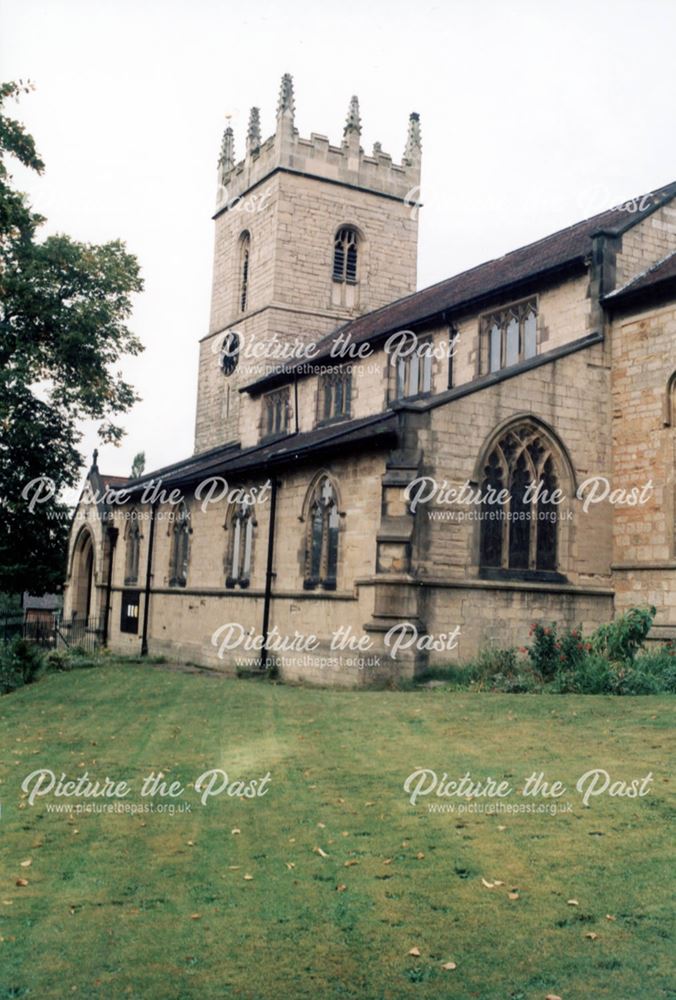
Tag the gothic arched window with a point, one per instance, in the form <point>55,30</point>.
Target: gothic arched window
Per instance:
<point>321,540</point>
<point>520,533</point>
<point>244,257</point>
<point>180,546</point>
<point>345,251</point>
<point>133,548</point>
<point>239,557</point>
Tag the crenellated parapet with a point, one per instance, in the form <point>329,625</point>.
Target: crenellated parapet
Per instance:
<point>316,156</point>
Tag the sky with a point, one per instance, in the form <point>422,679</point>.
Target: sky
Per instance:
<point>534,115</point>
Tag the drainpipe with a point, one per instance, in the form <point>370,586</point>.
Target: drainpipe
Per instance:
<point>269,575</point>
<point>112,539</point>
<point>149,573</point>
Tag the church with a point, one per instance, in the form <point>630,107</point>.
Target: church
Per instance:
<point>386,479</point>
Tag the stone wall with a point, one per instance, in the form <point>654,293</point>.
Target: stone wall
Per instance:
<point>644,452</point>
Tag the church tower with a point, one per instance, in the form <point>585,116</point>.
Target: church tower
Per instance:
<point>308,236</point>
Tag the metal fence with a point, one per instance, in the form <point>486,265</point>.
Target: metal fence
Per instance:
<point>84,633</point>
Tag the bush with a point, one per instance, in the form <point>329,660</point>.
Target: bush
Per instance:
<point>551,653</point>
<point>621,639</point>
<point>20,663</point>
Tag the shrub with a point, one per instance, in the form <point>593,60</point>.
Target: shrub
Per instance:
<point>492,662</point>
<point>621,639</point>
<point>20,663</point>
<point>551,653</point>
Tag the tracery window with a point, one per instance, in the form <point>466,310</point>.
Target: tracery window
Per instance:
<point>345,251</point>
<point>276,410</point>
<point>521,533</point>
<point>240,546</point>
<point>511,335</point>
<point>334,395</point>
<point>133,548</point>
<point>180,546</point>
<point>321,545</point>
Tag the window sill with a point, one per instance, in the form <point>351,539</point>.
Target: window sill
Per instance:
<point>522,575</point>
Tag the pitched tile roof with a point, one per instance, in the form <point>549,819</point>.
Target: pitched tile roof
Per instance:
<point>287,450</point>
<point>658,274</point>
<point>563,248</point>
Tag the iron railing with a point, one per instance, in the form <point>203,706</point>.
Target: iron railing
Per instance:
<point>79,633</point>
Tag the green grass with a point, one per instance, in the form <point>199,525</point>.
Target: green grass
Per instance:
<point>108,909</point>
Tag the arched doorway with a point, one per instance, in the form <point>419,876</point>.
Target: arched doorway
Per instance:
<point>83,580</point>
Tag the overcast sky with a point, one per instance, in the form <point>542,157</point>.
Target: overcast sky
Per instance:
<point>534,115</point>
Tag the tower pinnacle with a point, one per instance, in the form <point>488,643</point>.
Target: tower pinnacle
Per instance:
<point>253,137</point>
<point>413,144</point>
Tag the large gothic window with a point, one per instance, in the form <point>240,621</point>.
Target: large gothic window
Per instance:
<point>345,251</point>
<point>180,546</point>
<point>519,535</point>
<point>133,548</point>
<point>321,543</point>
<point>239,557</point>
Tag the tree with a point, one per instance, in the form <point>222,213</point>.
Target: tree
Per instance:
<point>138,465</point>
<point>63,312</point>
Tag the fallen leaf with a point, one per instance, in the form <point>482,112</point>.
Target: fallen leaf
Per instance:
<point>235,831</point>
<point>449,966</point>
<point>322,826</point>
<point>591,935</point>
<point>341,888</point>
<point>369,803</point>
<point>387,861</point>
<point>351,862</point>
<point>415,952</point>
<point>191,843</point>
<point>609,916</point>
<point>320,852</point>
<point>552,996</point>
<point>498,882</point>
<point>513,895</point>
<point>502,828</point>
<point>420,855</point>
<point>234,868</point>
<point>248,878</point>
<point>22,881</point>
<point>489,885</point>
<point>27,863</point>
<point>195,916</point>
<point>572,902</point>
<point>290,865</point>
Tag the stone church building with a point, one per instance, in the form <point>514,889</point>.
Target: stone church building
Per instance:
<point>384,478</point>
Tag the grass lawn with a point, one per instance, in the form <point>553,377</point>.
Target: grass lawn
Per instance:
<point>158,906</point>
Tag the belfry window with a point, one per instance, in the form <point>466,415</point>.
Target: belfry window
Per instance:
<point>276,408</point>
<point>244,257</point>
<point>345,251</point>
<point>510,335</point>
<point>240,547</point>
<point>321,545</point>
<point>334,395</point>
<point>133,547</point>
<point>180,546</point>
<point>519,504</point>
